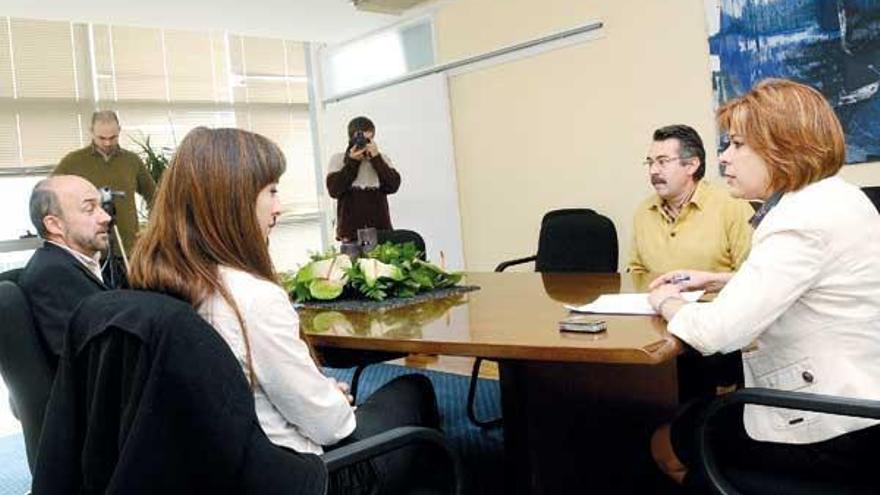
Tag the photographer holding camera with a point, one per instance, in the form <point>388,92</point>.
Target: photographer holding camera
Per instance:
<point>360,181</point>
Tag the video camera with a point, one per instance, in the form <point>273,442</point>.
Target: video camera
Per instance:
<point>107,197</point>
<point>114,269</point>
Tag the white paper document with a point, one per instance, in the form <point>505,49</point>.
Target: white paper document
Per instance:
<point>626,304</point>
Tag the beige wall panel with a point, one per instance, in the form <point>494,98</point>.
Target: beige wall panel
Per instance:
<point>569,127</point>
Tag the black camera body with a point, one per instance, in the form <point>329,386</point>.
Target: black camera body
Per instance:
<point>107,197</point>
<point>359,141</point>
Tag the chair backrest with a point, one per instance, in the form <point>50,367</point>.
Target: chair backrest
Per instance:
<point>577,240</point>
<point>25,367</point>
<point>873,193</point>
<point>400,236</point>
<point>148,398</point>
<point>11,275</point>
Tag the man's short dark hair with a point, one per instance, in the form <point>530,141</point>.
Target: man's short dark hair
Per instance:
<point>362,124</point>
<point>43,202</point>
<point>690,144</point>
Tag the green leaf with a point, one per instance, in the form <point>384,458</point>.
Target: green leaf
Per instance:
<point>155,159</point>
<point>302,293</point>
<point>326,290</point>
<point>423,278</point>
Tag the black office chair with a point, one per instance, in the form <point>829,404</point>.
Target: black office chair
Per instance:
<point>149,399</point>
<point>873,193</point>
<point>571,240</point>
<point>736,482</point>
<point>24,365</point>
<point>360,359</point>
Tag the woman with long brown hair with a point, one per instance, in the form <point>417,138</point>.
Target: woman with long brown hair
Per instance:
<point>207,243</point>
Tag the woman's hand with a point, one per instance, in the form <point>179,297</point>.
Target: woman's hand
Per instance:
<point>666,300</point>
<point>691,280</point>
<point>357,153</point>
<point>372,149</point>
<point>345,389</point>
<point>662,293</point>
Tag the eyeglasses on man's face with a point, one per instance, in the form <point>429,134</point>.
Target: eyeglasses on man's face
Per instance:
<point>662,161</point>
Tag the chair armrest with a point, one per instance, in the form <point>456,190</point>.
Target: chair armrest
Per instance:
<point>388,441</point>
<point>829,404</point>
<point>504,264</point>
<point>843,406</point>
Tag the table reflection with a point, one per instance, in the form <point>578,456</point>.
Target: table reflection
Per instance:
<point>405,322</point>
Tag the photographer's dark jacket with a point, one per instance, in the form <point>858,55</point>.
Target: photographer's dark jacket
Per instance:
<point>55,283</point>
<point>360,190</point>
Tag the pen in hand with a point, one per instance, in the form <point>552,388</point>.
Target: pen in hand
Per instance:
<point>679,278</point>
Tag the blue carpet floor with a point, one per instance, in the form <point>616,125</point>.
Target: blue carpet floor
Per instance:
<point>15,478</point>
<point>481,452</point>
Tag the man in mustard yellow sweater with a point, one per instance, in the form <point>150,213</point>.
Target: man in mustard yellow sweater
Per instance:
<point>689,223</point>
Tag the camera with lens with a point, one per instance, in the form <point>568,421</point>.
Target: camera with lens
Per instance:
<point>359,140</point>
<point>107,197</point>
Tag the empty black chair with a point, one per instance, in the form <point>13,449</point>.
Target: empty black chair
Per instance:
<point>360,359</point>
<point>873,193</point>
<point>571,240</point>
<point>24,365</point>
<point>728,481</point>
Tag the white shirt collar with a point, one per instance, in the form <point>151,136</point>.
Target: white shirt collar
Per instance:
<point>92,264</point>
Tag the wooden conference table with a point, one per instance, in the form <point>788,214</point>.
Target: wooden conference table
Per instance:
<point>578,409</point>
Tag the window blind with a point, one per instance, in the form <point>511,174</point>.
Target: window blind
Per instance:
<point>162,83</point>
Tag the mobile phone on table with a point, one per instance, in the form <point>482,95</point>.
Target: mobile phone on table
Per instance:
<point>582,324</point>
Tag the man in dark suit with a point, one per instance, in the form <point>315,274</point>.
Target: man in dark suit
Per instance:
<point>66,211</point>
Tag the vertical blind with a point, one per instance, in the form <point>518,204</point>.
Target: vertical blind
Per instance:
<point>162,82</point>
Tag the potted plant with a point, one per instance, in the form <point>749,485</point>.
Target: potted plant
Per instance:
<point>155,159</point>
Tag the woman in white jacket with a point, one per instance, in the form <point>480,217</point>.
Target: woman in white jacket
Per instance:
<point>804,308</point>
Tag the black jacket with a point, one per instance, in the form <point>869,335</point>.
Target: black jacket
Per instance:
<point>149,399</point>
<point>55,283</point>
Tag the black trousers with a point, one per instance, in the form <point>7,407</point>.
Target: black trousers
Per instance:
<point>766,467</point>
<point>407,400</point>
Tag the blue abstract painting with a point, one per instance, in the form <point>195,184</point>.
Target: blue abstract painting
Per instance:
<point>831,45</point>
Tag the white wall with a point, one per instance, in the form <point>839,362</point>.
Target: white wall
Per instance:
<point>414,129</point>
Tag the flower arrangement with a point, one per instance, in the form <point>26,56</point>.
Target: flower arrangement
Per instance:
<point>387,271</point>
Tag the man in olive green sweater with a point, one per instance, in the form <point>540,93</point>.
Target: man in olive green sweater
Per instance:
<point>105,164</point>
